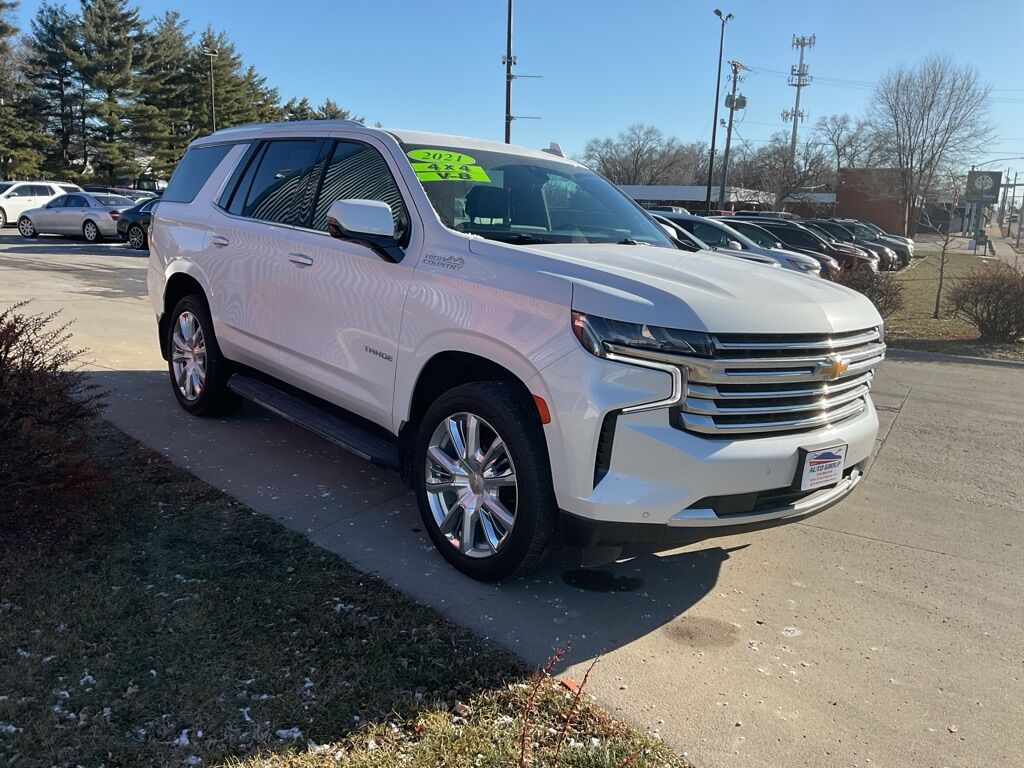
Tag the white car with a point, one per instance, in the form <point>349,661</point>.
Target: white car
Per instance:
<point>513,334</point>
<point>16,197</point>
<point>86,214</point>
<point>719,234</point>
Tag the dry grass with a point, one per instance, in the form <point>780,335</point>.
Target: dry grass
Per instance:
<point>169,625</point>
<point>913,326</point>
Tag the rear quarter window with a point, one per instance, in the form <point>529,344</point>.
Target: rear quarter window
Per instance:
<point>193,171</point>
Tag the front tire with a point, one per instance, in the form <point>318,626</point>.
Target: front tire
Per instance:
<point>27,228</point>
<point>198,371</point>
<point>483,480</point>
<point>91,232</point>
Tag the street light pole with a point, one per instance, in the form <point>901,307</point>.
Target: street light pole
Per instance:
<point>509,61</point>
<point>212,53</point>
<point>718,93</point>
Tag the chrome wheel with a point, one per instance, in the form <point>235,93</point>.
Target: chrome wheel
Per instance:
<point>471,485</point>
<point>188,356</point>
<point>90,231</point>
<point>26,228</point>
<point>136,237</point>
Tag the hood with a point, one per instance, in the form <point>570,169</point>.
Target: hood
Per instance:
<point>700,291</point>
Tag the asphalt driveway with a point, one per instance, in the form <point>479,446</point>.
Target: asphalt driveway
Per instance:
<point>883,632</point>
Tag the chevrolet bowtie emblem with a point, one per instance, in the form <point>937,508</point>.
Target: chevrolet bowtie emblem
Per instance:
<point>833,367</point>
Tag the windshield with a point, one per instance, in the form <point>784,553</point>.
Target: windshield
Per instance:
<point>837,231</point>
<point>112,200</point>
<point>520,199</point>
<point>760,236</point>
<point>820,232</point>
<point>4,186</point>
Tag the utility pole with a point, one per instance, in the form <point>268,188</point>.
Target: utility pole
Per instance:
<point>508,59</point>
<point>733,102</point>
<point>1002,205</point>
<point>725,18</point>
<point>799,79</point>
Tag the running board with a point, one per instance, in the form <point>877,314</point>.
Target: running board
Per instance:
<point>345,430</point>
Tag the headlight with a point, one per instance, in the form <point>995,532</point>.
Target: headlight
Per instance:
<point>803,266</point>
<point>601,336</point>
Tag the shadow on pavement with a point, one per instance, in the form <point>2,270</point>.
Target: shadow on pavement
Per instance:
<point>364,514</point>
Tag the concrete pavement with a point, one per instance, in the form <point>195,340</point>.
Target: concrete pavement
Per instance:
<point>884,632</point>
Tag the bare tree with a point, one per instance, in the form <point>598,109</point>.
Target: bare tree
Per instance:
<point>926,116</point>
<point>947,188</point>
<point>641,154</point>
<point>768,167</point>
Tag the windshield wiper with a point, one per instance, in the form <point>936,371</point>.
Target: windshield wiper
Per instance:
<point>630,241</point>
<point>517,238</point>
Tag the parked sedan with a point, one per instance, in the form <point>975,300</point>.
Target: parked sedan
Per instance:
<point>133,224</point>
<point>92,216</point>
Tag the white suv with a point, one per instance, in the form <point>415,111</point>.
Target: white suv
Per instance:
<point>513,334</point>
<point>16,197</point>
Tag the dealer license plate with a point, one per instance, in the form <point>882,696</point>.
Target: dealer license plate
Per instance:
<point>823,467</point>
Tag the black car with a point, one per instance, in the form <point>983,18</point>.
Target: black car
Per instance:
<point>867,230</point>
<point>133,224</point>
<point>887,257</point>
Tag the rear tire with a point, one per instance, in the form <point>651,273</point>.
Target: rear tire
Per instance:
<point>27,228</point>
<point>510,499</point>
<point>136,237</point>
<point>91,232</point>
<point>198,371</point>
<point>3,218</point>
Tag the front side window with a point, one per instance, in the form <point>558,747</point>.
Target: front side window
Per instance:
<point>276,189</point>
<point>523,199</point>
<point>193,171</point>
<point>24,190</point>
<point>358,172</point>
<point>75,201</point>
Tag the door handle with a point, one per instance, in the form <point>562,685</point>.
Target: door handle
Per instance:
<point>301,259</point>
<point>219,240</point>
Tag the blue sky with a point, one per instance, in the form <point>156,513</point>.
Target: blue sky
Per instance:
<point>605,63</point>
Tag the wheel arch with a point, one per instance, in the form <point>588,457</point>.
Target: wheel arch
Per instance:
<point>446,370</point>
<point>178,286</point>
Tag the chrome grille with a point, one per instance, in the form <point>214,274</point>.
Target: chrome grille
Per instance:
<point>760,384</point>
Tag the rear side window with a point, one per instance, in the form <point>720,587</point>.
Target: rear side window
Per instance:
<point>193,171</point>
<point>278,187</point>
<point>359,172</point>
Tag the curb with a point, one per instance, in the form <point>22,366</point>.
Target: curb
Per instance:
<point>919,355</point>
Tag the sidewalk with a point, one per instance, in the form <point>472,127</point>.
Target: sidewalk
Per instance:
<point>1004,247</point>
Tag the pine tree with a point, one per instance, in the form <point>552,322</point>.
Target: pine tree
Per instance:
<point>163,122</point>
<point>299,110</point>
<point>329,110</point>
<point>113,39</point>
<point>20,135</point>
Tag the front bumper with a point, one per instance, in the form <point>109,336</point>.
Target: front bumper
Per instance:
<point>701,523</point>
<point>640,479</point>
